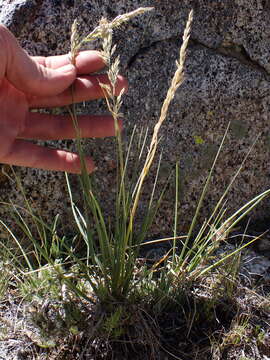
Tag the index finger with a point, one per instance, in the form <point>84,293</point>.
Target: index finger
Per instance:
<point>88,61</point>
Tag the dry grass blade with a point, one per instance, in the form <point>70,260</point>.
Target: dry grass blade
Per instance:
<point>75,42</point>
<point>176,82</point>
<point>120,19</point>
<point>101,30</point>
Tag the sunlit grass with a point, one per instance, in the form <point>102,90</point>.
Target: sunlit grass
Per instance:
<point>109,274</point>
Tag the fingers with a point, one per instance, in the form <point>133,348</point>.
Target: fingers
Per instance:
<point>86,62</point>
<point>23,153</point>
<point>28,75</point>
<point>47,127</point>
<point>85,88</point>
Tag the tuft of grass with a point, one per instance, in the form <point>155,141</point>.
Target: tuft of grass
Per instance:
<point>112,251</point>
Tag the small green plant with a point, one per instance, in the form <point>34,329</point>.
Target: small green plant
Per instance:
<point>260,334</point>
<point>239,333</point>
<point>112,324</point>
<point>5,273</point>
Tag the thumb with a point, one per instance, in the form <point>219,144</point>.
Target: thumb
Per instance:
<point>26,74</point>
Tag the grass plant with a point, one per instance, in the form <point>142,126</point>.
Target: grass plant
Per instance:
<point>114,251</point>
<point>120,242</point>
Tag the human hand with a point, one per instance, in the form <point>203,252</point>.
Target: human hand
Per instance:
<point>37,82</point>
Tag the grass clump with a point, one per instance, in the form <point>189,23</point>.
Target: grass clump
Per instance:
<point>112,300</point>
<point>118,248</point>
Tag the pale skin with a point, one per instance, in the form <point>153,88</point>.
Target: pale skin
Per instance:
<point>38,82</point>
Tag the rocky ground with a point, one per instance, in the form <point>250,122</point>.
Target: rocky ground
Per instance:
<point>231,327</point>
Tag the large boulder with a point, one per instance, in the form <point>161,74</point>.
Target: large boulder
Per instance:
<point>227,80</point>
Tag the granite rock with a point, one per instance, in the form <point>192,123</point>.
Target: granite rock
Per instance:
<point>16,13</point>
<point>227,80</point>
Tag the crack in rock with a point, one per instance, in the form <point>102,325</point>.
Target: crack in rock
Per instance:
<point>237,52</point>
<point>231,50</point>
<point>142,50</point>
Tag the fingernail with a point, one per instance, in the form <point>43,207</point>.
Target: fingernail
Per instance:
<point>67,69</point>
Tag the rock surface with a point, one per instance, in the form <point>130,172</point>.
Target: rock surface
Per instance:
<point>227,80</point>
